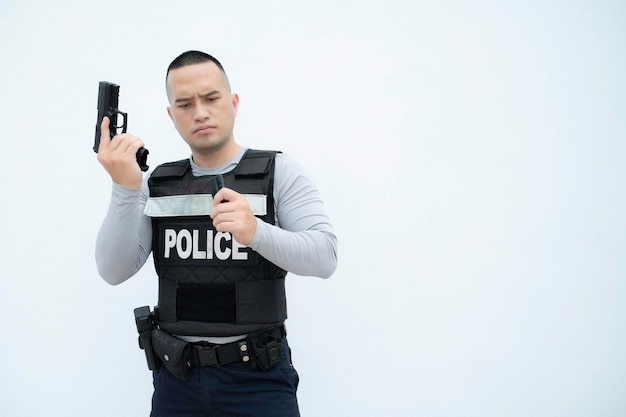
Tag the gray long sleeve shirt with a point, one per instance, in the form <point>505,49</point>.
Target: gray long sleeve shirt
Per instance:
<point>302,241</point>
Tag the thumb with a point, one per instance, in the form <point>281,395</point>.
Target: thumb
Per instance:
<point>225,194</point>
<point>229,195</point>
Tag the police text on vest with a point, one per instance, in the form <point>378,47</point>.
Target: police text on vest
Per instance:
<point>220,245</point>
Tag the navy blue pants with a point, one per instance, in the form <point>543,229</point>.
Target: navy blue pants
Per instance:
<point>234,390</point>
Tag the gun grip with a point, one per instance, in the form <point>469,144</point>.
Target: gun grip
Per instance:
<point>142,159</point>
<point>216,183</point>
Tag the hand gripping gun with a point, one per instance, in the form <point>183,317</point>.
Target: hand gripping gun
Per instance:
<point>108,97</point>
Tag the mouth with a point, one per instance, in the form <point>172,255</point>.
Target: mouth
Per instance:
<point>204,129</point>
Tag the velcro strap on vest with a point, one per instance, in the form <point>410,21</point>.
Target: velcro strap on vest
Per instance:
<point>250,302</point>
<point>255,163</point>
<point>171,169</point>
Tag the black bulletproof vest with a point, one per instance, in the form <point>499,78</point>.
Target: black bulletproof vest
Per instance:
<point>209,285</point>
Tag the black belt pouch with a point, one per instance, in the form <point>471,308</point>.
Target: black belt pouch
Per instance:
<point>173,352</point>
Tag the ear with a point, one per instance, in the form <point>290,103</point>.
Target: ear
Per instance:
<point>169,113</point>
<point>235,101</point>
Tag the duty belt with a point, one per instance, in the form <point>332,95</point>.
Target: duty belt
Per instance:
<point>260,348</point>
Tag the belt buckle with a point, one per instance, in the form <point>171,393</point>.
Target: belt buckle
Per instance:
<point>207,355</point>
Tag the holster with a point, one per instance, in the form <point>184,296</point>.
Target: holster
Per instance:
<point>145,321</point>
<point>266,349</point>
<point>172,352</point>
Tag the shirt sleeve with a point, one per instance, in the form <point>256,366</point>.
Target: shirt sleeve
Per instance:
<point>124,241</point>
<point>302,242</point>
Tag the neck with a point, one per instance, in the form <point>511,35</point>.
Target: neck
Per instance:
<point>215,157</point>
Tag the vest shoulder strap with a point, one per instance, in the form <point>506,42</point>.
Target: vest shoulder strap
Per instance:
<point>255,163</point>
<point>171,169</point>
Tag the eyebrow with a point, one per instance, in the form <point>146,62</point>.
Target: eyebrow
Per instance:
<point>209,94</point>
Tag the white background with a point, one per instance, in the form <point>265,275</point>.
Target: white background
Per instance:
<point>471,155</point>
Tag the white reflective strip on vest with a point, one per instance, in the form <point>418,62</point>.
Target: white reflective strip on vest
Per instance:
<point>196,205</point>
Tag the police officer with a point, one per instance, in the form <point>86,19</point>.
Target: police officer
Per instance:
<point>221,254</point>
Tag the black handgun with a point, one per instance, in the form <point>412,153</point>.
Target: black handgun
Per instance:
<point>108,97</point>
<point>144,320</point>
<point>216,183</point>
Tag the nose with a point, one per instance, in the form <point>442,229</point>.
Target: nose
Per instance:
<point>201,113</point>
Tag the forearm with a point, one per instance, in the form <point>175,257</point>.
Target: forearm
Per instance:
<point>302,241</point>
<point>120,249</point>
<point>309,253</point>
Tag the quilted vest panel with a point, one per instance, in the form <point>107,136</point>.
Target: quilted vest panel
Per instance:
<point>209,284</point>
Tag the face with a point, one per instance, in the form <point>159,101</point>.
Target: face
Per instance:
<point>202,107</point>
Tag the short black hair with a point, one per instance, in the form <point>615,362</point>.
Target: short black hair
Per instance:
<point>192,58</point>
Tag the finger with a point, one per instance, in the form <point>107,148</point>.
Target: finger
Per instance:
<point>225,223</point>
<point>105,133</point>
<point>216,210</point>
<point>242,229</point>
<point>126,143</point>
<point>133,143</point>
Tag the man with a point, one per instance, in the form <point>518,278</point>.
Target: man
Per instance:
<point>221,257</point>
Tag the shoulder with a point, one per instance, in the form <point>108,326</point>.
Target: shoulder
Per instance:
<point>288,169</point>
<point>291,178</point>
